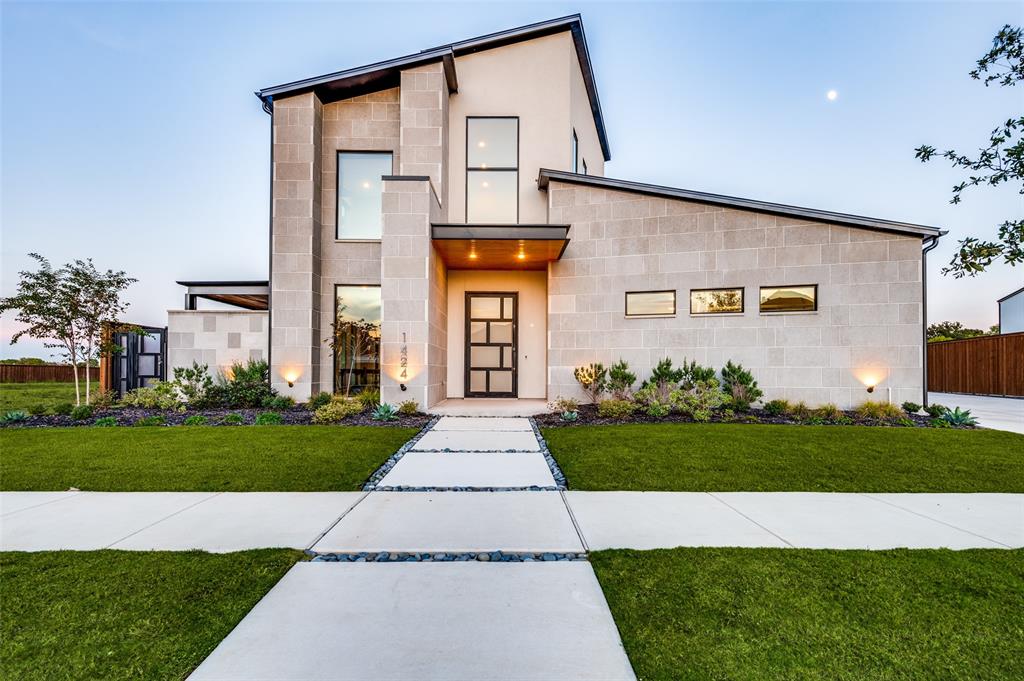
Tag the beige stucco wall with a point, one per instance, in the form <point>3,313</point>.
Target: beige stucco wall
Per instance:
<point>217,338</point>
<point>529,80</point>
<point>532,351</point>
<point>582,120</point>
<point>869,295</point>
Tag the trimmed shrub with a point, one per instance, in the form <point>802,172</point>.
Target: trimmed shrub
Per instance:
<point>194,384</point>
<point>268,418</point>
<point>658,410</point>
<point>843,420</point>
<point>105,422</point>
<point>155,420</point>
<point>244,386</point>
<point>37,409</point>
<point>776,407</point>
<point>278,402</point>
<point>692,373</point>
<point>940,423</point>
<point>82,412</point>
<point>384,412</point>
<point>318,400</point>
<point>13,416</point>
<point>620,380</point>
<point>232,419</point>
<point>936,410</point>
<point>63,409</point>
<point>158,395</point>
<point>593,378</point>
<point>700,400</point>
<point>337,410</point>
<point>409,408</point>
<point>195,420</point>
<point>103,399</point>
<point>740,385</point>
<point>616,409</point>
<point>911,407</point>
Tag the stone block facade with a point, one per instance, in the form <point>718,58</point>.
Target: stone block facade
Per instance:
<point>216,338</point>
<point>867,325</point>
<point>296,218</point>
<point>424,134</point>
<point>413,296</point>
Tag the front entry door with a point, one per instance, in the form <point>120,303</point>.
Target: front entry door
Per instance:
<point>492,337</point>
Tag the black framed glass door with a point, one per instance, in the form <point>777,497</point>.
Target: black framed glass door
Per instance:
<point>492,336</point>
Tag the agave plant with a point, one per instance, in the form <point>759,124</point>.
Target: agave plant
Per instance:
<point>16,416</point>
<point>385,412</point>
<point>958,417</point>
<point>570,416</point>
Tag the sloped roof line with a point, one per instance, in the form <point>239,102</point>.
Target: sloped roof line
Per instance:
<point>878,224</point>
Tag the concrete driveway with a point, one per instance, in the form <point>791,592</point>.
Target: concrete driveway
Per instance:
<point>1000,413</point>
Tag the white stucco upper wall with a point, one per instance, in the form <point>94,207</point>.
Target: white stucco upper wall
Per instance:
<point>534,80</point>
<point>582,120</point>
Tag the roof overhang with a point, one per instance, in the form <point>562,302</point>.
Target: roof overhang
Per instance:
<point>924,231</point>
<point>332,87</point>
<point>249,295</point>
<point>499,247</point>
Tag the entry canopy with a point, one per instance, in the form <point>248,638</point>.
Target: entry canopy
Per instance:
<point>250,295</point>
<point>499,247</point>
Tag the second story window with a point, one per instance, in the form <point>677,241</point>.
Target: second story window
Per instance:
<point>575,152</point>
<point>359,193</point>
<point>492,169</point>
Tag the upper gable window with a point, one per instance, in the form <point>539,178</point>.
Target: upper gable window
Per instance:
<point>575,152</point>
<point>359,193</point>
<point>492,169</point>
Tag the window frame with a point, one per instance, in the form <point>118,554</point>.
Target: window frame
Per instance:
<point>675,304</point>
<point>584,162</point>
<point>337,191</point>
<point>770,312</point>
<point>380,341</point>
<point>743,300</point>
<point>575,152</point>
<point>502,169</point>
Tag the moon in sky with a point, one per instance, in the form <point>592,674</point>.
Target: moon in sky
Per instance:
<point>831,95</point>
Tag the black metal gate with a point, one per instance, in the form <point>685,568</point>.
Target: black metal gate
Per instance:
<point>142,359</point>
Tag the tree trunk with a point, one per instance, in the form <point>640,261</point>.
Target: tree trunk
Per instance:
<point>74,369</point>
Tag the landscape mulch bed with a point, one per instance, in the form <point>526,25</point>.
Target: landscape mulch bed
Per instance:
<point>588,416</point>
<point>294,416</point>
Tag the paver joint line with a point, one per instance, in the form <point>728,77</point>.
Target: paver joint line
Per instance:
<point>935,520</point>
<point>575,523</point>
<point>336,521</point>
<point>71,495</point>
<point>734,509</point>
<point>153,524</point>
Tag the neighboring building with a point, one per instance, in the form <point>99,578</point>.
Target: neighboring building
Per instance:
<point>1011,312</point>
<point>449,209</point>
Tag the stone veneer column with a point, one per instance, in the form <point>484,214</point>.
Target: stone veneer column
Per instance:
<point>424,121</point>
<point>409,284</point>
<point>295,333</point>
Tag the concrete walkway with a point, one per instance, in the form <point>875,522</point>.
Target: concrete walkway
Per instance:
<point>1001,413</point>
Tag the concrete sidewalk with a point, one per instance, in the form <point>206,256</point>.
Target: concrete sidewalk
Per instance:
<point>505,521</point>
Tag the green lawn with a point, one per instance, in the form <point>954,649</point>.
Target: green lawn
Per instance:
<point>123,614</point>
<point>25,395</point>
<point>802,614</point>
<point>198,458</point>
<point>765,458</point>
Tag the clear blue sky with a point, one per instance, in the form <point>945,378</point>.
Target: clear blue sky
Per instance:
<point>130,132</point>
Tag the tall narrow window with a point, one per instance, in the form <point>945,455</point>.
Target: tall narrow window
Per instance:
<point>575,152</point>
<point>492,170</point>
<point>359,193</point>
<point>585,167</point>
<point>356,338</point>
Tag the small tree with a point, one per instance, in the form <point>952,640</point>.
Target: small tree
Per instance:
<point>69,307</point>
<point>1001,161</point>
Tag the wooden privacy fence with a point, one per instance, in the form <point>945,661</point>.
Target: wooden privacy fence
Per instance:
<point>986,365</point>
<point>39,373</point>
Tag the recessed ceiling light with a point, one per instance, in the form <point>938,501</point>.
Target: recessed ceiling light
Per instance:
<point>472,256</point>
<point>521,256</point>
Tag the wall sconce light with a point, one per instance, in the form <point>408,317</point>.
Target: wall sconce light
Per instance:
<point>402,386</point>
<point>291,384</point>
<point>871,388</point>
<point>290,377</point>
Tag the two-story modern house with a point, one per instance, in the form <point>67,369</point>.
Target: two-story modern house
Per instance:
<point>441,226</point>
